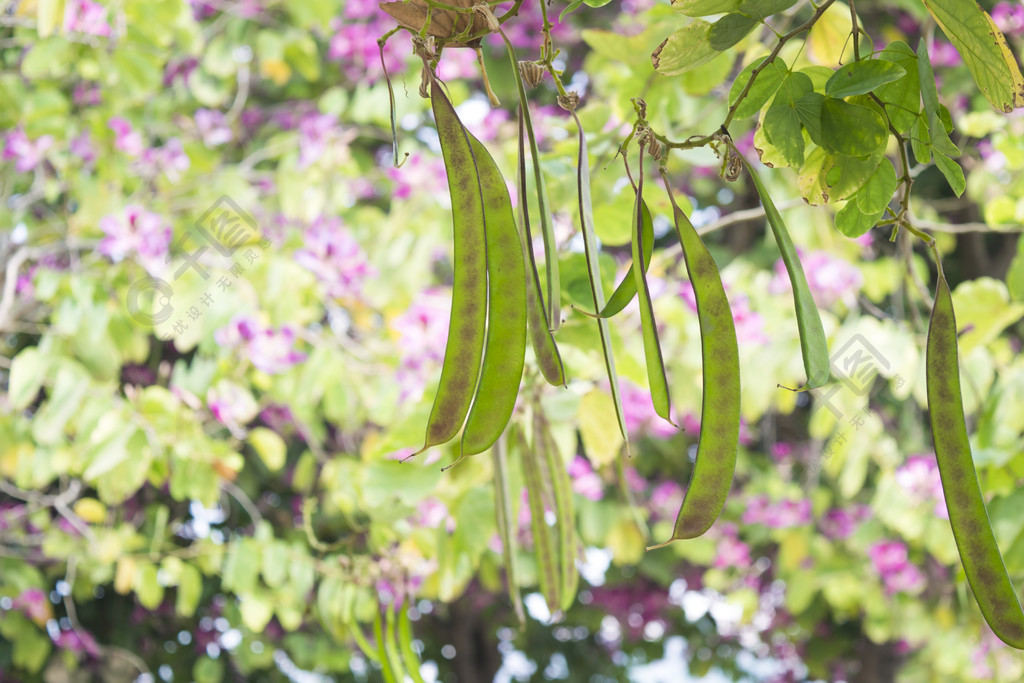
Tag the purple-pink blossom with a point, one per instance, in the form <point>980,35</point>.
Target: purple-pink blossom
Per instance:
<point>731,551</point>
<point>780,515</point>
<point>170,158</point>
<point>136,232</point>
<point>126,138</point>
<point>212,127</point>
<point>335,258</point>
<point>638,409</point>
<point>76,641</point>
<point>919,478</point>
<point>86,16</point>
<point>33,604</point>
<point>749,323</point>
<point>270,350</point>
<point>839,523</point>
<point>831,279</point>
<point>419,175</point>
<point>432,514</point>
<point>422,331</point>
<point>81,147</point>
<point>665,500</point>
<point>316,131</point>
<point>585,481</point>
<point>897,572</point>
<point>1009,17</point>
<point>354,44</point>
<point>27,154</point>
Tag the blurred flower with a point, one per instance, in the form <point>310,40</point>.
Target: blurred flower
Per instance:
<point>271,351</point>
<point>749,324</point>
<point>665,500</point>
<point>831,279</point>
<point>85,16</point>
<point>919,477</point>
<point>126,138</point>
<point>316,130</point>
<point>891,563</point>
<point>731,551</point>
<point>170,158</point>
<point>942,53</point>
<point>781,451</point>
<point>422,331</point>
<point>77,641</point>
<point>432,513</point>
<point>179,68</point>
<point>585,481</point>
<point>354,45</point>
<point>638,409</point>
<point>525,31</point>
<point>1009,17</point>
<point>81,147</point>
<point>136,232</point>
<point>419,175</point>
<point>33,603</point>
<point>634,480</point>
<point>232,405</point>
<point>781,515</point>
<point>213,127</point>
<point>839,523</point>
<point>335,258</point>
<point>456,64</point>
<point>27,154</point>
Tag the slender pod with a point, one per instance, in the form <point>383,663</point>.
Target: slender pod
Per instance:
<point>626,289</point>
<point>594,273</point>
<point>543,543</point>
<point>718,443</point>
<point>652,346</point>
<point>409,658</point>
<point>505,350</point>
<point>565,519</point>
<point>386,668</point>
<point>813,344</point>
<point>543,342</point>
<point>506,530</point>
<point>554,298</point>
<point>968,517</point>
<point>461,366</point>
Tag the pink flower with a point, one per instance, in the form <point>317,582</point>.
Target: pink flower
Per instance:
<point>212,127</point>
<point>731,551</point>
<point>422,335</point>
<point>81,147</point>
<point>891,563</point>
<point>127,140</point>
<point>77,641</point>
<point>830,279</point>
<point>27,154</point>
<point>665,500</point>
<point>456,64</point>
<point>638,409</point>
<point>171,159</point>
<point>315,132</point>
<point>85,16</point>
<point>749,324</point>
<point>942,53</point>
<point>919,477</point>
<point>418,175</point>
<point>781,451</point>
<point>86,94</point>
<point>335,257</point>
<point>839,523</point>
<point>33,604</point>
<point>781,515</point>
<point>585,481</point>
<point>635,480</point>
<point>136,232</point>
<point>354,45</point>
<point>432,513</point>
<point>271,351</point>
<point>231,405</point>
<point>1009,17</point>
<point>525,31</point>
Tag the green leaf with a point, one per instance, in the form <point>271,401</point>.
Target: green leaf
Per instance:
<point>189,591</point>
<point>69,389</point>
<point>984,50</point>
<point>782,126</point>
<point>983,311</point>
<point>147,588</point>
<point>731,29</point>
<point>793,88</point>
<point>762,9</point>
<point>858,78</point>
<point>269,446</point>
<point>626,289</point>
<point>256,611</point>
<point>853,222</point>
<point>28,370</point>
<point>408,482</point>
<point>684,50</point>
<point>902,98</point>
<point>599,428</point>
<point>952,171</point>
<point>702,8</point>
<point>575,4</point>
<point>1015,275</point>
<point>808,110</point>
<point>764,86</point>
<point>851,129</point>
<point>876,193</point>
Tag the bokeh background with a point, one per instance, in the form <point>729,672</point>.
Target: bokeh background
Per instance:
<point>224,312</point>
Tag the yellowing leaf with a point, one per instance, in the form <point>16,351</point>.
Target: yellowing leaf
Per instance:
<point>276,70</point>
<point>686,49</point>
<point>626,543</point>
<point>984,50</point>
<point>269,446</point>
<point>256,612</point>
<point>48,16</point>
<point>830,35</point>
<point>90,510</point>
<point>599,428</point>
<point>983,310</point>
<point>124,575</point>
